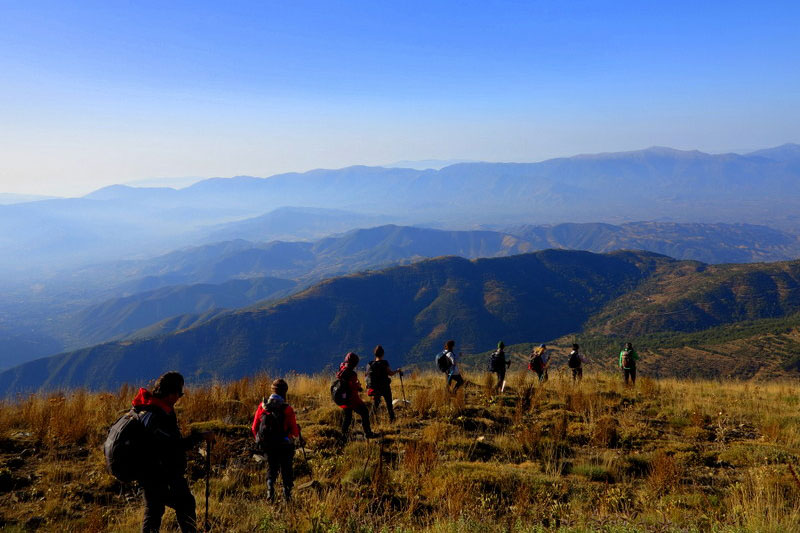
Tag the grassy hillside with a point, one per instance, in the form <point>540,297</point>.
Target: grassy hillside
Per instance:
<point>669,455</point>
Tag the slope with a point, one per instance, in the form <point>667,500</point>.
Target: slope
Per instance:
<point>410,309</point>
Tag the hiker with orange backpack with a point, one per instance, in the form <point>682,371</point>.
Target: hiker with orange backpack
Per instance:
<point>627,362</point>
<point>540,362</point>
<point>379,382</point>
<point>275,431</point>
<point>346,394</point>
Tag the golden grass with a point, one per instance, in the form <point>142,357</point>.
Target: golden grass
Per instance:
<point>666,455</point>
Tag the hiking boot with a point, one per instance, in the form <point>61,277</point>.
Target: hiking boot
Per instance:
<point>287,495</point>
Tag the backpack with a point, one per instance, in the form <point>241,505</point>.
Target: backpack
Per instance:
<point>271,426</point>
<point>339,392</point>
<point>377,375</point>
<point>125,446</point>
<point>574,360</point>
<point>627,359</point>
<point>537,363</point>
<point>443,362</point>
<point>497,361</point>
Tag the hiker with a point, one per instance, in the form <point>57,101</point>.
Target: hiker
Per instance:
<point>540,362</point>
<point>163,482</point>
<point>627,362</point>
<point>453,373</point>
<point>498,363</point>
<point>275,430</point>
<point>379,382</point>
<point>348,376</point>
<point>576,362</point>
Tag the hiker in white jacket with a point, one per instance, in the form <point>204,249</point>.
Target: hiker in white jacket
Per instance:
<point>454,374</point>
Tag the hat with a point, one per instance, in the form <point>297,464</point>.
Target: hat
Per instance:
<point>351,358</point>
<point>542,346</point>
<point>501,344</point>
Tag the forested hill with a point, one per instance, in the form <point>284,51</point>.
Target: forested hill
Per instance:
<point>412,309</point>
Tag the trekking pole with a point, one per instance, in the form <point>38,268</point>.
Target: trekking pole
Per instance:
<point>303,447</point>
<point>403,388</point>
<point>208,476</point>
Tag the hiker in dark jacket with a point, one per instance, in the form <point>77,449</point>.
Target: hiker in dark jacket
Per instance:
<point>379,382</point>
<point>347,374</point>
<point>163,482</point>
<point>576,361</point>
<point>627,362</point>
<point>275,430</point>
<point>498,364</point>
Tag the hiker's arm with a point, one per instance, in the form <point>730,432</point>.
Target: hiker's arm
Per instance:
<point>293,431</point>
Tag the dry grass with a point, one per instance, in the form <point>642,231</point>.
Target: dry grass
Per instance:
<point>667,455</point>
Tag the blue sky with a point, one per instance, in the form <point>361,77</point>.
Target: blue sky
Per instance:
<point>107,92</point>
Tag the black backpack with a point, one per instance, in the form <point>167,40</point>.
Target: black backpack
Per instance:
<point>574,360</point>
<point>378,375</point>
<point>497,361</point>
<point>537,363</point>
<point>443,362</point>
<point>339,392</point>
<point>125,446</point>
<point>271,429</point>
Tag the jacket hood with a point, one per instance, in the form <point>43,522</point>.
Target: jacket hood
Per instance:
<point>145,398</point>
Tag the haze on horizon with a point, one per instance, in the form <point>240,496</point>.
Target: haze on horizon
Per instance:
<point>104,93</point>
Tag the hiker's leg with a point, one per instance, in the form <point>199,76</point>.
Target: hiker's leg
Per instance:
<point>273,467</point>
<point>449,379</point>
<point>184,505</point>
<point>364,414</point>
<point>459,381</point>
<point>387,397</point>
<point>580,373</point>
<point>287,472</point>
<point>625,375</point>
<point>155,497</point>
<point>633,376</point>
<point>348,418</point>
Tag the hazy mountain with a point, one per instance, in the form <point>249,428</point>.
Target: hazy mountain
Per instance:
<point>121,316</point>
<point>412,309</point>
<point>72,315</point>
<point>710,243</point>
<point>787,153</point>
<point>291,223</point>
<point>10,198</point>
<point>657,183</point>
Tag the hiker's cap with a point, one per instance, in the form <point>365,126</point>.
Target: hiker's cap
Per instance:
<point>542,346</point>
<point>501,344</point>
<point>351,358</point>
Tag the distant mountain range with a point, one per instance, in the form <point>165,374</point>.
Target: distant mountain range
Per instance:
<point>136,299</point>
<point>412,309</point>
<point>652,184</point>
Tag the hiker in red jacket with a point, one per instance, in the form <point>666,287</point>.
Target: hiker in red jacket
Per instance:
<point>347,374</point>
<point>275,430</point>
<point>163,482</point>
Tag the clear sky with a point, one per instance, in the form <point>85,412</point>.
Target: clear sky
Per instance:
<point>94,93</point>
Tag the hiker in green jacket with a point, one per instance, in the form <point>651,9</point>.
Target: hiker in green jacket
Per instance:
<point>627,362</point>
